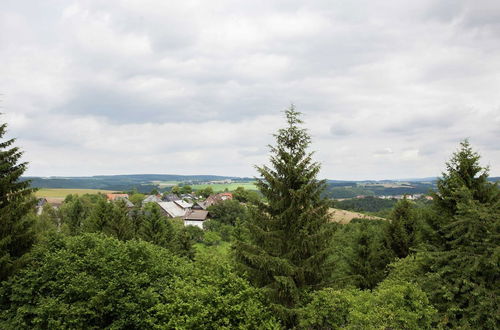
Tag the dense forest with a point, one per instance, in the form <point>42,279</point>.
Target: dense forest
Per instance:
<point>272,260</point>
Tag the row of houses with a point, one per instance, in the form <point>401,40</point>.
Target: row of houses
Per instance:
<point>194,213</point>
<point>407,196</point>
<point>186,207</point>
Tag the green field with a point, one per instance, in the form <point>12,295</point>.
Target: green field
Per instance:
<point>45,192</point>
<point>224,186</point>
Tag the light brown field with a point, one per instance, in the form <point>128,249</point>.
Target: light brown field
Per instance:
<point>344,217</point>
<point>65,192</point>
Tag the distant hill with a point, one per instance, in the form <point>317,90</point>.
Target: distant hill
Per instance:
<point>141,182</point>
<point>147,182</point>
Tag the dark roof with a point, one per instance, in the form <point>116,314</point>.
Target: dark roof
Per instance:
<point>196,215</point>
<point>216,198</point>
<point>171,198</point>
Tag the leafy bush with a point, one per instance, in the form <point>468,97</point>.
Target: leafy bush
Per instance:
<point>391,306</point>
<point>93,281</point>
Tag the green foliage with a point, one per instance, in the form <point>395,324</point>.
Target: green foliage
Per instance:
<point>402,231</point>
<point>367,204</point>
<point>464,182</point>
<point>459,272</point>
<point>74,211</point>
<point>328,309</point>
<point>111,218</point>
<point>93,281</point>
<point>186,189</point>
<point>369,259</point>
<point>205,192</point>
<point>46,223</point>
<point>16,201</point>
<point>211,238</point>
<point>175,190</point>
<point>390,306</point>
<point>226,217</point>
<point>463,283</point>
<point>137,198</point>
<point>246,196</point>
<point>289,235</point>
<point>228,212</point>
<point>156,228</point>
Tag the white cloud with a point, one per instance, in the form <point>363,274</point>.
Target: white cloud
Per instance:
<point>388,88</point>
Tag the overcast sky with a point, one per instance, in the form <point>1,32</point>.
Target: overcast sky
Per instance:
<point>387,88</point>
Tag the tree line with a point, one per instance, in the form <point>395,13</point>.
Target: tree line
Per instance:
<point>271,260</point>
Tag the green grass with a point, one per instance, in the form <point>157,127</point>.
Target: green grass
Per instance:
<point>224,186</point>
<point>45,192</point>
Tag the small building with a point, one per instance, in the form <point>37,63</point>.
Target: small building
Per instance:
<point>198,206</point>
<point>170,198</point>
<point>216,198</point>
<point>185,205</point>
<point>55,202</point>
<point>195,218</point>
<point>113,197</point>
<point>151,199</point>
<point>172,209</point>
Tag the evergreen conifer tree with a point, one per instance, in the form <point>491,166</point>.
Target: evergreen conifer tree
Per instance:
<point>16,201</point>
<point>401,231</point>
<point>120,223</point>
<point>367,264</point>
<point>288,234</point>
<point>156,228</point>
<point>462,264</point>
<point>100,216</point>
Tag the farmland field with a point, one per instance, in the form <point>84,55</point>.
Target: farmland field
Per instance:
<point>64,192</point>
<point>229,186</point>
<point>344,217</point>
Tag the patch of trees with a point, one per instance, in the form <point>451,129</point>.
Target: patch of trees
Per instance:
<point>263,261</point>
<point>95,281</point>
<point>333,190</point>
<point>367,204</point>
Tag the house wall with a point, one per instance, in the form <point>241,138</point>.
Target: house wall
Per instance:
<point>197,223</point>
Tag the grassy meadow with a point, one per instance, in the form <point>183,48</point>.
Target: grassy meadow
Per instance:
<point>344,217</point>
<point>223,186</point>
<point>46,192</point>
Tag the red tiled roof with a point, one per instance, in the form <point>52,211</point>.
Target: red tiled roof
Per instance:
<point>112,197</point>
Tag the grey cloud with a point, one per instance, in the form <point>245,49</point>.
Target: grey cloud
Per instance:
<point>366,74</point>
<point>340,130</point>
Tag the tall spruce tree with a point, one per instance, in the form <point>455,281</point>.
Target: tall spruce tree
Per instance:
<point>462,278</point>
<point>16,201</point>
<point>288,235</point>
<point>464,183</point>
<point>156,228</point>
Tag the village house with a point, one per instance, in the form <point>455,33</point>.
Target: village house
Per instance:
<point>193,214</point>
<point>55,202</point>
<point>195,218</point>
<point>170,198</point>
<point>151,199</point>
<point>172,209</point>
<point>113,197</point>
<point>216,198</point>
<point>118,197</point>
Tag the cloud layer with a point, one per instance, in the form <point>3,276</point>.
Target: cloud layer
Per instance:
<point>388,89</point>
